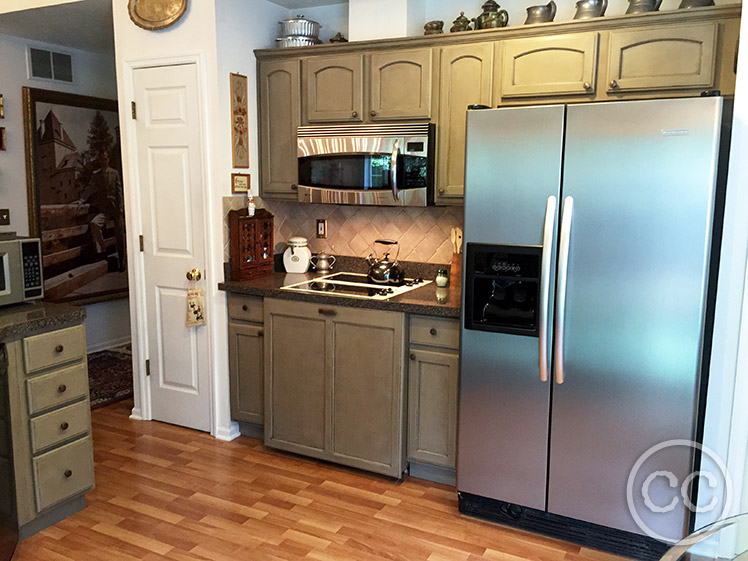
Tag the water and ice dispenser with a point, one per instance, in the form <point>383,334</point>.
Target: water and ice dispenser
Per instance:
<point>502,289</point>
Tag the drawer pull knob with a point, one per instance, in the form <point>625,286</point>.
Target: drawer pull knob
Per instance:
<point>412,356</point>
<point>59,349</point>
<point>613,84</point>
<point>354,114</point>
<point>587,86</point>
<point>433,331</point>
<point>64,426</point>
<point>62,388</point>
<point>68,473</point>
<point>327,312</point>
<point>245,308</point>
<point>373,113</point>
<point>441,191</point>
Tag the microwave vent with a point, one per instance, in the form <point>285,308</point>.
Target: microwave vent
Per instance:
<point>406,129</point>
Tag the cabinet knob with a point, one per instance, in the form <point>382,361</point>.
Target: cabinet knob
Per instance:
<point>373,113</point>
<point>433,331</point>
<point>587,86</point>
<point>68,473</point>
<point>354,114</point>
<point>261,333</point>
<point>412,356</point>
<point>294,187</point>
<point>245,308</point>
<point>613,84</point>
<point>441,191</point>
<point>59,349</point>
<point>64,426</point>
<point>62,388</point>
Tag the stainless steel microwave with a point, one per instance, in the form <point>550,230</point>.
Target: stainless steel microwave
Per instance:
<point>387,165</point>
<point>20,270</point>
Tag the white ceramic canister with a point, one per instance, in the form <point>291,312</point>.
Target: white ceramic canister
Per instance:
<point>297,257</point>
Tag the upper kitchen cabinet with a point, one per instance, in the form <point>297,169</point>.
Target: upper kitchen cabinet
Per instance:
<point>333,88</point>
<point>278,82</point>
<point>465,79</point>
<point>674,57</point>
<point>400,85</point>
<point>549,66</point>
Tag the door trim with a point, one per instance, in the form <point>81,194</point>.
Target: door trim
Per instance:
<point>142,409</point>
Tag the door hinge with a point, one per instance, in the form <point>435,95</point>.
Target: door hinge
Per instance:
<point>134,111</point>
<point>140,239</point>
<point>147,367</point>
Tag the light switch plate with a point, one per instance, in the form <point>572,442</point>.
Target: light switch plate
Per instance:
<point>321,228</point>
<point>4,217</point>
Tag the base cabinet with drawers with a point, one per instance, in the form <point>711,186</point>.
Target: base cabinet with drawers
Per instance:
<point>51,426</point>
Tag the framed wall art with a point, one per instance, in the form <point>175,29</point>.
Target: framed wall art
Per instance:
<point>75,198</point>
<point>239,126</point>
<point>239,183</point>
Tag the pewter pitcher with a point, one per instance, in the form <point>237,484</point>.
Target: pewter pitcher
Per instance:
<point>541,14</point>
<point>590,9</point>
<point>642,6</point>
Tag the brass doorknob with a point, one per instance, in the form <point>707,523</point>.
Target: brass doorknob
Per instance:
<point>194,275</point>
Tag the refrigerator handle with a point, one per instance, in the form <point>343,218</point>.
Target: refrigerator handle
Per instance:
<point>563,269</point>
<point>549,225</point>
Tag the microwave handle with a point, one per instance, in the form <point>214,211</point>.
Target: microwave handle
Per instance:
<point>393,170</point>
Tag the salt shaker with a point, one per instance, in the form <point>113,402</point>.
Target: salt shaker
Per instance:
<point>442,278</point>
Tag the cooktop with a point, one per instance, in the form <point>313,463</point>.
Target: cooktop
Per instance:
<point>353,285</point>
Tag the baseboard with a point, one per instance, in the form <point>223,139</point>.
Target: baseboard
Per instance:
<point>228,433</point>
<point>105,345</point>
<point>136,414</point>
<point>251,430</point>
<point>437,474</point>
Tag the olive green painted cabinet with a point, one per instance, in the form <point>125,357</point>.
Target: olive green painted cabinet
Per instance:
<point>335,381</point>
<point>279,108</point>
<point>333,88</point>
<point>399,85</point>
<point>465,78</point>
<point>433,385</point>
<point>246,361</point>
<point>674,57</point>
<point>549,66</point>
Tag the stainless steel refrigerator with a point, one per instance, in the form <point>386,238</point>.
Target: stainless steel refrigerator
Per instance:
<point>588,276</point>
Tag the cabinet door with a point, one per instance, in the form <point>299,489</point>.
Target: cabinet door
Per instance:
<point>547,66</point>
<point>432,407</point>
<point>278,83</point>
<point>465,79</point>
<point>400,85</point>
<point>367,390</point>
<point>295,377</point>
<point>246,369</point>
<point>671,57</point>
<point>333,88</point>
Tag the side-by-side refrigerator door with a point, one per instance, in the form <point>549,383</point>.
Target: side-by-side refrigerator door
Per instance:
<point>642,178</point>
<point>512,182</point>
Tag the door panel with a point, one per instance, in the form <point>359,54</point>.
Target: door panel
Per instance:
<point>400,85</point>
<point>504,407</point>
<point>334,89</point>
<point>171,186</point>
<point>634,321</point>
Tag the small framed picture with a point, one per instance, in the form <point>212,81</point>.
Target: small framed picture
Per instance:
<point>2,107</point>
<point>2,139</point>
<point>239,183</point>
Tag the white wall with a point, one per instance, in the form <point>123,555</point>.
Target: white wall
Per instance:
<point>94,75</point>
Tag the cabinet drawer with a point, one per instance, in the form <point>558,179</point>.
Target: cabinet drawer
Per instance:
<point>53,348</point>
<point>436,332</point>
<point>245,308</point>
<point>55,427</point>
<point>57,388</point>
<point>667,58</point>
<point>63,473</point>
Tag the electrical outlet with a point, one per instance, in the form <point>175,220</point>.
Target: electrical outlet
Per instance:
<point>321,228</point>
<point>4,217</point>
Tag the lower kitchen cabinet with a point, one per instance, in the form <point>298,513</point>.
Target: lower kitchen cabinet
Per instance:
<point>335,384</point>
<point>246,362</point>
<point>433,382</point>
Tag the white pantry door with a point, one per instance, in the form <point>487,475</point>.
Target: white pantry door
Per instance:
<point>169,136</point>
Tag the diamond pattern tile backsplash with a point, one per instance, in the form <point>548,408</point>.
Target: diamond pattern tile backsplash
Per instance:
<point>423,233</point>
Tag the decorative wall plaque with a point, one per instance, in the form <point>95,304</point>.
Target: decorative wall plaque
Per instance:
<point>156,14</point>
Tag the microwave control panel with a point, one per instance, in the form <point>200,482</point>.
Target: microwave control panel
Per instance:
<point>32,268</point>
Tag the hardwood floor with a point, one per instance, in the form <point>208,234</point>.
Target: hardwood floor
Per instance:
<point>164,492</point>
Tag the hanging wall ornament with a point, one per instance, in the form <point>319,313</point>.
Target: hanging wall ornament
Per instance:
<point>156,14</point>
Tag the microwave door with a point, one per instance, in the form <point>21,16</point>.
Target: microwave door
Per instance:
<point>11,271</point>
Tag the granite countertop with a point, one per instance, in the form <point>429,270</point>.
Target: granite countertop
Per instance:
<point>427,300</point>
<point>22,320</point>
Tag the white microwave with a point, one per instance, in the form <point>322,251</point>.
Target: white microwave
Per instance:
<point>20,270</point>
<point>387,164</point>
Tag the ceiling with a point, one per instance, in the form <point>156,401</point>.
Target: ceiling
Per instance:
<point>64,25</point>
<point>294,4</point>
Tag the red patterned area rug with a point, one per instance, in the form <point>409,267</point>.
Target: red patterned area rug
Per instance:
<point>110,376</point>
